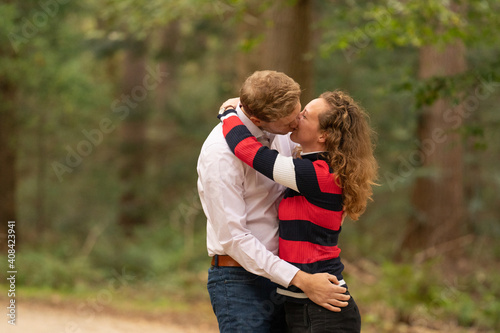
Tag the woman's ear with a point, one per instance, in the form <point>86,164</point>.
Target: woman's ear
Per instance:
<point>322,137</point>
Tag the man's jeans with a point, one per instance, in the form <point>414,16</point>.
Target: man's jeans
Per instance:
<point>245,302</point>
<point>312,318</point>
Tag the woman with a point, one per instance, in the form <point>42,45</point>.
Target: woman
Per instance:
<point>332,174</point>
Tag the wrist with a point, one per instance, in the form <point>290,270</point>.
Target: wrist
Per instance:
<point>225,108</point>
<point>299,279</point>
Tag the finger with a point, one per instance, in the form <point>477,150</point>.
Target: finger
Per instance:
<point>339,290</point>
<point>335,302</point>
<point>333,279</point>
<point>331,307</point>
<point>342,297</point>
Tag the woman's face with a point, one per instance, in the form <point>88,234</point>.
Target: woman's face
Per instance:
<point>307,133</point>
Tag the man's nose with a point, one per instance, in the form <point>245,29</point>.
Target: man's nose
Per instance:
<point>294,124</point>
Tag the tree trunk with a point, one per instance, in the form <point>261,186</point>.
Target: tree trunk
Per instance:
<point>473,177</point>
<point>8,141</point>
<point>134,101</point>
<point>167,57</point>
<point>438,195</point>
<point>287,47</point>
<point>41,222</point>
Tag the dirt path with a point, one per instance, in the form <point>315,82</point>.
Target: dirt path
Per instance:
<point>34,317</point>
<point>38,318</point>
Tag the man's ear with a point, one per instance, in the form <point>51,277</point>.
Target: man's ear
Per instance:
<point>257,122</point>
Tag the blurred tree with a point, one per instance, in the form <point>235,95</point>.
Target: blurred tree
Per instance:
<point>86,51</point>
<point>250,33</point>
<point>31,39</point>
<point>11,52</point>
<point>142,22</point>
<point>438,195</point>
<point>287,46</point>
<point>276,36</point>
<point>8,136</point>
<point>167,57</point>
<point>135,107</point>
<point>445,93</point>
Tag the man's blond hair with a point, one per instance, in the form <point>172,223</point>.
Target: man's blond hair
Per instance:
<point>269,95</point>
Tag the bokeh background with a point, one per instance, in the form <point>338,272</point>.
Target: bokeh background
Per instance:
<point>104,106</point>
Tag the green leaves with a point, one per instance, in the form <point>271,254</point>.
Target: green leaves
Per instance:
<point>141,17</point>
<point>388,24</point>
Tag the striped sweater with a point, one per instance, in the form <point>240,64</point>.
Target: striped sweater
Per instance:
<point>310,213</point>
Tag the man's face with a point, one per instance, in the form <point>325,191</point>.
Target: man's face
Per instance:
<point>283,125</point>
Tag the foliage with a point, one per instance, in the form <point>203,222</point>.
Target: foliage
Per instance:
<point>423,293</point>
<point>392,24</point>
<point>67,73</point>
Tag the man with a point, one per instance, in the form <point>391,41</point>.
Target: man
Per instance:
<point>241,206</point>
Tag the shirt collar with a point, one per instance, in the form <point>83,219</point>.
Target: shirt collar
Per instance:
<point>257,132</point>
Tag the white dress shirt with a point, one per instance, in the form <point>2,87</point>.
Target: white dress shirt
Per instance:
<point>241,205</point>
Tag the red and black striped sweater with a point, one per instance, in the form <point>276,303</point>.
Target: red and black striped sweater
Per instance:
<point>310,213</point>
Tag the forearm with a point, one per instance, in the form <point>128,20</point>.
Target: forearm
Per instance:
<point>270,163</point>
<point>255,258</point>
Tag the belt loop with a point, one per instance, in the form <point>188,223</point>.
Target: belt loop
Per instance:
<point>216,260</point>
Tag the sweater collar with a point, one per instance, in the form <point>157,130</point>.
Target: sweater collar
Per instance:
<point>314,156</point>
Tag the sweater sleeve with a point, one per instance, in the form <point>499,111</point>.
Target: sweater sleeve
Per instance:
<point>281,169</point>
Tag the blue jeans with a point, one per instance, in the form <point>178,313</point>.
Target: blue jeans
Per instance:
<point>245,302</point>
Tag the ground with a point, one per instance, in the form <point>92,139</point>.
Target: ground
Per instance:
<point>56,316</point>
<point>36,317</point>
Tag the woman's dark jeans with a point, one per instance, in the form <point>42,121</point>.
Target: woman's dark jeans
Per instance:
<point>312,318</point>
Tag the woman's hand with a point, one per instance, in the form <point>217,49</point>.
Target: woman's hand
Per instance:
<point>230,103</point>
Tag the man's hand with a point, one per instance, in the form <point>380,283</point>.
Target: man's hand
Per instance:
<point>322,289</point>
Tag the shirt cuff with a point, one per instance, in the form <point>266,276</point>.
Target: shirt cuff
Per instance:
<point>284,273</point>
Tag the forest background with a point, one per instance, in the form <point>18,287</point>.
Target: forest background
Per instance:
<point>104,106</point>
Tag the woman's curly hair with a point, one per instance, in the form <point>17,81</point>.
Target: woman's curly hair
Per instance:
<point>350,148</point>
